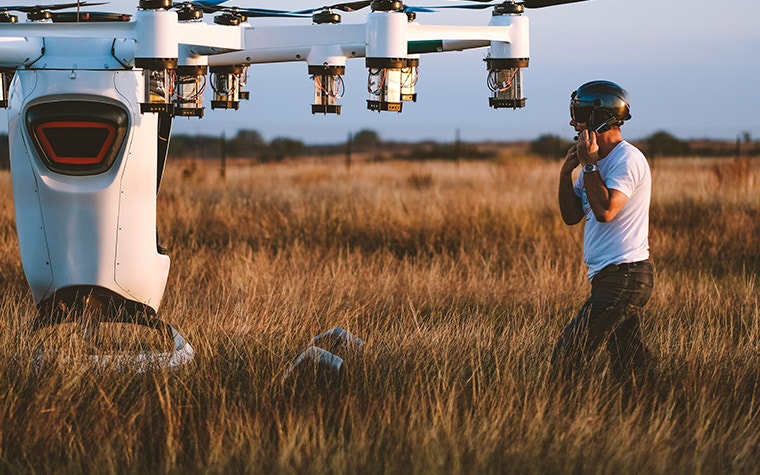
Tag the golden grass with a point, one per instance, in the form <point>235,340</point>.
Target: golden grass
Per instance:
<point>458,277</point>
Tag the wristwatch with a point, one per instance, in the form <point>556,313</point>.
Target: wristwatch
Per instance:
<point>590,168</point>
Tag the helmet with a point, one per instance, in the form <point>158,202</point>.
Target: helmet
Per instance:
<point>600,104</point>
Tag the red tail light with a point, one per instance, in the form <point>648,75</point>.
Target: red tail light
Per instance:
<point>77,137</point>
<point>93,141</point>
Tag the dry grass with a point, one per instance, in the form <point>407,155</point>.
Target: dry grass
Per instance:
<point>458,277</point>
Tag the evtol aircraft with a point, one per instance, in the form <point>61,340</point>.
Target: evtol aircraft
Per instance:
<point>91,97</point>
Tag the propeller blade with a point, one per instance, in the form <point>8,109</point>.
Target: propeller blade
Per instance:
<point>215,6</point>
<point>206,6</point>
<point>547,3</point>
<point>344,7</point>
<point>352,6</point>
<point>210,3</point>
<point>76,17</point>
<point>422,9</point>
<point>466,6</point>
<point>526,3</point>
<point>263,12</point>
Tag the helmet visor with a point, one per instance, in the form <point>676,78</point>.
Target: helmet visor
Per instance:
<point>580,113</point>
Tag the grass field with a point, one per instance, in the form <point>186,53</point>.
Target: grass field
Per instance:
<point>458,277</point>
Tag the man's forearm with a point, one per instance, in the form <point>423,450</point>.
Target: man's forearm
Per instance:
<point>569,204</point>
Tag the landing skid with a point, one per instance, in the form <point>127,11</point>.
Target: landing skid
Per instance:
<point>181,355</point>
<point>93,357</point>
<point>93,327</point>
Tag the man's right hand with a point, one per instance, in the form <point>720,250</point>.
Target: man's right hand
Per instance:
<point>587,148</point>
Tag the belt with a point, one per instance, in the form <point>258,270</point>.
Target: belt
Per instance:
<point>627,265</point>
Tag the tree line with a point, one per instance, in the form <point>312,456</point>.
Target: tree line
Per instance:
<point>251,145</point>
<point>662,144</point>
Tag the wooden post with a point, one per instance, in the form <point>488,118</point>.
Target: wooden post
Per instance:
<point>223,169</point>
<point>457,148</point>
<point>349,142</point>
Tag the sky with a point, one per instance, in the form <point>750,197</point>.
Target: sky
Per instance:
<point>691,68</point>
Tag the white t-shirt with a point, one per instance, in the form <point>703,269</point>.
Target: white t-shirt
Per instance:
<point>625,238</point>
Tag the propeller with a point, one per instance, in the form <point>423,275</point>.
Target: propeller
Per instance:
<point>230,15</point>
<point>263,12</point>
<point>344,7</point>
<point>358,5</point>
<point>524,3</point>
<point>212,6</point>
<point>40,8</point>
<point>39,12</point>
<point>215,7</point>
<point>547,3</point>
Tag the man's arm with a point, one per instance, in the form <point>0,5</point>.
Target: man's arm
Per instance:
<point>606,203</point>
<point>569,203</point>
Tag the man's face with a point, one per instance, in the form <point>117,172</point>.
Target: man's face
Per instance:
<point>579,116</point>
<point>578,126</point>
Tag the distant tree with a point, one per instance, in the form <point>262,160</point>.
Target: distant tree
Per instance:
<point>663,144</point>
<point>550,146</point>
<point>194,146</point>
<point>247,143</point>
<point>281,148</point>
<point>455,151</point>
<point>365,140</point>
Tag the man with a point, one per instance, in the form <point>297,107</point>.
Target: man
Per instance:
<point>612,195</point>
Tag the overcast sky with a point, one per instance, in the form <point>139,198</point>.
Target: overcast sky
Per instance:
<point>691,67</point>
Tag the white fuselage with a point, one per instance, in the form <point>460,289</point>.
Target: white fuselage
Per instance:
<point>97,229</point>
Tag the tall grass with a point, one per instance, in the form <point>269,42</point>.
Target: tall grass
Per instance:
<point>459,277</point>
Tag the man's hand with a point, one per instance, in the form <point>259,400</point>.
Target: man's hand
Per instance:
<point>587,148</point>
<point>571,160</point>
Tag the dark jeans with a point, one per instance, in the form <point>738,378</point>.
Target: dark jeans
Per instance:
<point>612,317</point>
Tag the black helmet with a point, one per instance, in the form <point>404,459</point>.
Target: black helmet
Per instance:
<point>600,104</point>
